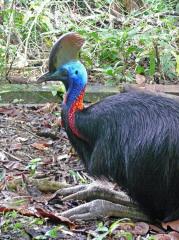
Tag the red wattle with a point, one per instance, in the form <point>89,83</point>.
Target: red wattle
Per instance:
<point>77,105</point>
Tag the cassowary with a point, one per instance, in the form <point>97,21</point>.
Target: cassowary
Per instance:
<point>131,138</point>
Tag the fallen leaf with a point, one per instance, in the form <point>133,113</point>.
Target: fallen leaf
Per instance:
<point>51,215</point>
<point>14,183</point>
<point>47,144</point>
<point>47,124</point>
<point>16,146</point>
<point>12,112</point>
<point>18,201</point>
<point>173,225</point>
<point>21,139</point>
<point>3,157</point>
<point>39,146</point>
<point>141,228</point>
<point>58,122</point>
<point>14,165</point>
<point>126,226</point>
<point>48,108</point>
<point>5,110</point>
<point>163,237</point>
<point>45,185</point>
<point>174,235</point>
<point>63,156</point>
<point>156,229</point>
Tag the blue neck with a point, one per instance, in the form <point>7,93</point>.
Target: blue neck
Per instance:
<point>72,95</point>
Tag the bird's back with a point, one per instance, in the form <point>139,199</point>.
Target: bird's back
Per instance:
<point>133,138</point>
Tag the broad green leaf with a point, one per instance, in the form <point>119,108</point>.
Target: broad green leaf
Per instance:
<point>139,69</point>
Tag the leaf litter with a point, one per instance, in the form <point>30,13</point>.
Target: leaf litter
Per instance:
<point>36,159</point>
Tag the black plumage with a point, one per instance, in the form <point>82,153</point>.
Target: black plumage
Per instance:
<point>133,139</point>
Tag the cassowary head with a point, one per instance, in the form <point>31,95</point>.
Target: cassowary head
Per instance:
<point>64,64</point>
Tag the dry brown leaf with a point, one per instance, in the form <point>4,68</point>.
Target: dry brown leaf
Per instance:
<point>173,225</point>
<point>48,108</point>
<point>163,237</point>
<point>156,229</point>
<point>53,216</point>
<point>127,226</point>
<point>46,124</point>
<point>141,228</point>
<point>174,235</point>
<point>9,111</point>
<point>14,165</point>
<point>16,146</point>
<point>5,110</point>
<point>40,146</point>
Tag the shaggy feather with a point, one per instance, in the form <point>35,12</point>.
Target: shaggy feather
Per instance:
<point>134,140</point>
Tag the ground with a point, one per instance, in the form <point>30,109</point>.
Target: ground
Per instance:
<point>36,159</point>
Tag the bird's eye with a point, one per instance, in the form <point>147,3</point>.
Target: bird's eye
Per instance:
<point>76,72</point>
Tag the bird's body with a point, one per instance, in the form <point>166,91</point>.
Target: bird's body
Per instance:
<point>131,138</point>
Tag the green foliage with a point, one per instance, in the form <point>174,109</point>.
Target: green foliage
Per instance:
<point>52,232</point>
<point>162,5</point>
<point>78,177</point>
<point>102,231</point>
<point>13,224</point>
<point>33,164</point>
<point>143,50</point>
<point>115,230</point>
<point>117,48</point>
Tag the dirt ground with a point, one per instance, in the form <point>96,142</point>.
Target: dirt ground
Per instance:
<point>36,159</point>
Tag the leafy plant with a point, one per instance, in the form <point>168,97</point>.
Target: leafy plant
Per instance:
<point>13,224</point>
<point>33,164</point>
<point>53,233</point>
<point>102,231</point>
<point>143,41</point>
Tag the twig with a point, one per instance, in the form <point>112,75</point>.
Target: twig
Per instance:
<point>32,25</point>
<point>88,6</point>
<point>35,135</point>
<point>10,155</point>
<point>9,36</point>
<point>157,54</point>
<point>8,68</point>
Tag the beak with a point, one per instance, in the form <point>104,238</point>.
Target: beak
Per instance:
<point>44,78</point>
<point>55,76</point>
